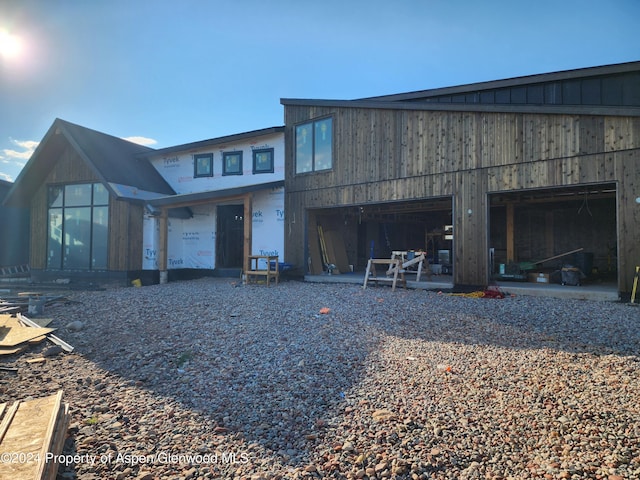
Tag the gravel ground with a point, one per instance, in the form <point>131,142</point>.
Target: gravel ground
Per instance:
<point>211,379</point>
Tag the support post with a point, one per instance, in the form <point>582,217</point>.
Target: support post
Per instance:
<point>248,216</point>
<point>511,248</point>
<point>162,250</point>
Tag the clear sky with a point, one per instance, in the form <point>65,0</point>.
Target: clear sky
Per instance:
<point>180,71</point>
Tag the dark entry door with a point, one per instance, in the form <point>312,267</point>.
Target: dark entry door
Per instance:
<point>230,236</point>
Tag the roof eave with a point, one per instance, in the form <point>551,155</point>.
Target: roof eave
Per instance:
<point>215,141</point>
<point>185,199</point>
<point>466,107</point>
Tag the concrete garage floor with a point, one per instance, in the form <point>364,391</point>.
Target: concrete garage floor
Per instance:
<point>607,292</point>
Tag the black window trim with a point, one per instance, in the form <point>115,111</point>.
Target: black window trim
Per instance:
<point>224,162</point>
<point>312,122</point>
<point>263,150</point>
<point>198,156</point>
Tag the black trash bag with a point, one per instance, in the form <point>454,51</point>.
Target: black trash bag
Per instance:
<point>572,275</point>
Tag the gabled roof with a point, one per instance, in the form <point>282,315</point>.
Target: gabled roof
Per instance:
<point>604,90</point>
<point>217,141</point>
<point>112,159</point>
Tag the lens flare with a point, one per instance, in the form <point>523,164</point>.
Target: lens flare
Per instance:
<point>10,45</point>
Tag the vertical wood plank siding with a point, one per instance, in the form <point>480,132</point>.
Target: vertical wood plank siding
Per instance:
<point>383,155</point>
<point>125,219</point>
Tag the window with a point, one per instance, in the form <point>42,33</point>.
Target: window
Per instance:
<point>232,163</point>
<point>314,146</point>
<point>263,160</point>
<point>78,227</point>
<point>203,165</point>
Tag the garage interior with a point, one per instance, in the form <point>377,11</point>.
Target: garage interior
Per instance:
<point>534,235</point>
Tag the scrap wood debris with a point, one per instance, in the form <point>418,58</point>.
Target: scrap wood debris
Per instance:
<point>24,301</point>
<point>32,435</point>
<point>18,333</point>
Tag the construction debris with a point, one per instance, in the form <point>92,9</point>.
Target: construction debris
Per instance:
<point>32,435</point>
<point>14,335</point>
<point>19,333</point>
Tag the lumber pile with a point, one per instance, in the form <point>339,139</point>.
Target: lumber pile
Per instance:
<point>26,302</point>
<point>32,435</point>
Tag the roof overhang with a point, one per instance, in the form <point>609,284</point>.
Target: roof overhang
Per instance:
<point>215,141</point>
<point>460,107</point>
<point>214,196</point>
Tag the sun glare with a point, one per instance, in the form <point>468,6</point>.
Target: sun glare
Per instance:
<point>10,45</point>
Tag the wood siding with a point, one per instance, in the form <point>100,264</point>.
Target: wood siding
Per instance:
<point>125,219</point>
<point>385,155</point>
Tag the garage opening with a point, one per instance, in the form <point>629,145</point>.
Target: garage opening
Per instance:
<point>554,236</point>
<point>347,237</point>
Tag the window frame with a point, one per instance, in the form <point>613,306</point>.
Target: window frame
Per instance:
<point>259,151</point>
<point>228,155</point>
<point>197,173</point>
<point>312,124</point>
<point>59,205</point>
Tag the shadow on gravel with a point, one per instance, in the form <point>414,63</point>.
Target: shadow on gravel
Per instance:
<point>266,364</point>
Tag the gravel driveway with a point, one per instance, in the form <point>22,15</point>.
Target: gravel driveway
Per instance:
<point>211,379</point>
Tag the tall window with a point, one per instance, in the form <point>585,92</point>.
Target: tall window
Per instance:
<point>314,146</point>
<point>78,227</point>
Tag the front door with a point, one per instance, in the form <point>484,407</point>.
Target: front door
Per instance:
<point>230,236</point>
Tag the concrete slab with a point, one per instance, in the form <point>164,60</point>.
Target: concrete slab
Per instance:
<point>596,292</point>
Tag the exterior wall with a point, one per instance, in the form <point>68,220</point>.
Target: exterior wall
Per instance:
<point>268,223</point>
<point>385,155</point>
<point>125,219</point>
<point>178,169</point>
<point>192,242</point>
<point>14,244</point>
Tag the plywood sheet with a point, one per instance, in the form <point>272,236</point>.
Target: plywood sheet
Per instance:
<point>337,250</point>
<point>13,333</point>
<point>31,428</point>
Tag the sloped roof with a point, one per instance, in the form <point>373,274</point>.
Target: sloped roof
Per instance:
<point>604,90</point>
<point>112,159</point>
<point>217,141</point>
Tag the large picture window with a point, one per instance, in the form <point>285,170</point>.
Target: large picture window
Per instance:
<point>78,227</point>
<point>314,146</point>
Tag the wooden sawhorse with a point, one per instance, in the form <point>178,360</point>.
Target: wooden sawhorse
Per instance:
<point>394,269</point>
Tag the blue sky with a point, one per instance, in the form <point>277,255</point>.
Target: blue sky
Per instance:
<point>180,71</point>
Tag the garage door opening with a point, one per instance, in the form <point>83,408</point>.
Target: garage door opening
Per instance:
<point>537,236</point>
<point>348,236</point>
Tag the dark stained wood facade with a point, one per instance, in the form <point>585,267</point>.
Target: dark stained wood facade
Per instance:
<point>125,218</point>
<point>392,153</point>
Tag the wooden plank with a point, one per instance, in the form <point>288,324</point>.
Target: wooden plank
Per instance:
<point>13,350</point>
<point>6,421</point>
<point>12,333</point>
<point>32,429</point>
<point>336,250</point>
<point>558,256</point>
<point>49,434</point>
